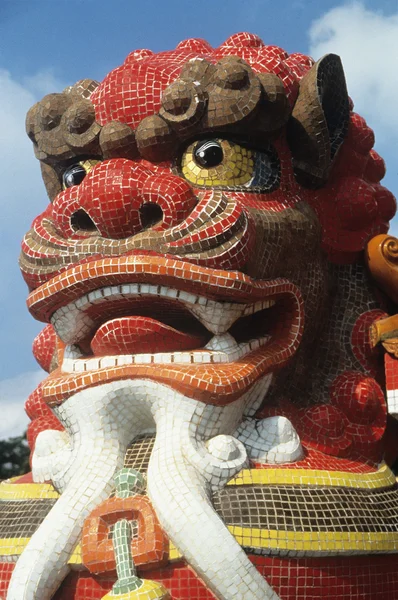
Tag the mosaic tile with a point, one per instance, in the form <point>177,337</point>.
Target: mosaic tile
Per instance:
<point>217,287</point>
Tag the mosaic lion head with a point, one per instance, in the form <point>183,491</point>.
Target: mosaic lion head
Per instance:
<point>201,270</point>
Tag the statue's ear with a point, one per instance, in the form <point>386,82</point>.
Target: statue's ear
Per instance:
<point>319,121</point>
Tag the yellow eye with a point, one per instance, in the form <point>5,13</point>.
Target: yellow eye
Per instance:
<point>218,163</point>
<point>89,164</point>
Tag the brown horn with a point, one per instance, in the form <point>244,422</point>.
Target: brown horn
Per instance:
<point>319,121</point>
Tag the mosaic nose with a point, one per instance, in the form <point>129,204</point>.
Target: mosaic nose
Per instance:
<point>120,198</point>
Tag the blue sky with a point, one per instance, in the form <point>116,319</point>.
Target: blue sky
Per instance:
<point>46,45</point>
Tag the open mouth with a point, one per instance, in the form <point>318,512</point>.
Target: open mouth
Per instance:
<point>209,333</point>
<point>151,324</point>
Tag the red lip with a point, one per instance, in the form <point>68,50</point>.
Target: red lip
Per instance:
<point>231,286</point>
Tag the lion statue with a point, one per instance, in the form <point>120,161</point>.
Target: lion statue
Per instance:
<point>219,290</point>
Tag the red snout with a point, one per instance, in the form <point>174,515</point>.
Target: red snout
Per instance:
<point>120,198</point>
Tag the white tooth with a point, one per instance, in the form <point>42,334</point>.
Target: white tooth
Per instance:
<point>79,366</point>
<point>107,361</point>
<point>111,291</point>
<point>248,310</point>
<point>71,325</point>
<point>265,304</point>
<point>186,297</point>
<point>92,364</point>
<point>257,306</point>
<point>170,293</point>
<point>222,343</point>
<point>72,351</point>
<point>80,302</point>
<point>67,365</point>
<point>186,357</point>
<point>143,359</point>
<point>202,357</point>
<point>217,317</point>
<point>217,358</point>
<point>254,344</point>
<point>129,289</point>
<point>95,295</point>
<point>177,357</point>
<point>230,357</point>
<point>162,358</point>
<point>124,359</point>
<point>221,349</point>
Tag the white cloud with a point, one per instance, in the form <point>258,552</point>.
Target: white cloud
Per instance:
<point>13,394</point>
<point>22,197</point>
<point>15,150</point>
<point>367,42</point>
<point>43,82</point>
<point>20,180</point>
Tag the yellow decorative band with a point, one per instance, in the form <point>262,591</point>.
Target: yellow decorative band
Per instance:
<point>384,477</point>
<point>316,541</point>
<point>27,491</point>
<point>299,541</point>
<point>15,547</point>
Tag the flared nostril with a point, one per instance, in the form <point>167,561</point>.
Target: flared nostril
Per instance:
<point>119,199</point>
<point>150,214</point>
<point>81,221</point>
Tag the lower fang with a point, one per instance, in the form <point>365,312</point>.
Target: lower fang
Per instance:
<point>73,351</point>
<point>222,343</point>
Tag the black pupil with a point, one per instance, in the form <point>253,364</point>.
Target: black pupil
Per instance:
<point>74,175</point>
<point>208,154</point>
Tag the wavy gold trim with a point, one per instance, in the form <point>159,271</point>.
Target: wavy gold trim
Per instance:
<point>315,541</point>
<point>299,541</point>
<point>384,477</point>
<point>27,491</point>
